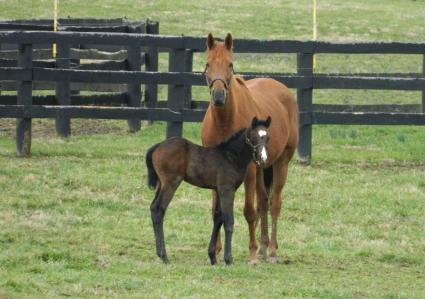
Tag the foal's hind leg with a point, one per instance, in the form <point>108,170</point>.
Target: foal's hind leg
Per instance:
<point>158,207</point>
<point>280,174</point>
<point>262,204</point>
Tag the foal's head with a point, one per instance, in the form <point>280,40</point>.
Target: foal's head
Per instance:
<point>257,137</point>
<point>219,68</point>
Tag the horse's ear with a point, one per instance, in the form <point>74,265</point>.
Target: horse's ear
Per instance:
<point>268,122</point>
<point>228,42</point>
<point>210,41</point>
<point>254,122</point>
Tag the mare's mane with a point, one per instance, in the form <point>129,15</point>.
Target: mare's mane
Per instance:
<point>240,80</point>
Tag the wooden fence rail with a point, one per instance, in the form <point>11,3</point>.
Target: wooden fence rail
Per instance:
<point>180,107</point>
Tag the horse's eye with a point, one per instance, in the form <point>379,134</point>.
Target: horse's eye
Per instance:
<point>207,65</point>
<point>231,65</point>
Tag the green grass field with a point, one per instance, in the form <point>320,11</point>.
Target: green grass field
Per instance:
<point>75,217</point>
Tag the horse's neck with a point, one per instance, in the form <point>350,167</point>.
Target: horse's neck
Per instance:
<point>240,151</point>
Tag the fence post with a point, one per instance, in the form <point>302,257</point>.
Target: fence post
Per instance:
<point>188,66</point>
<point>423,91</point>
<point>151,65</point>
<point>24,97</point>
<point>305,104</point>
<point>176,93</point>
<point>63,89</point>
<point>133,89</point>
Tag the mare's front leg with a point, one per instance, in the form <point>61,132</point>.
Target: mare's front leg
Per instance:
<point>263,205</point>
<point>250,212</point>
<point>280,174</point>
<point>158,207</point>
<point>218,221</point>
<point>227,196</point>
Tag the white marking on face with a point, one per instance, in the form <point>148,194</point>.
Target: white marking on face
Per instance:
<point>264,154</point>
<point>262,133</point>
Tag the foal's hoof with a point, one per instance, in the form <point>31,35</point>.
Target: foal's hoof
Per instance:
<point>228,261</point>
<point>272,259</point>
<point>213,261</point>
<point>165,260</point>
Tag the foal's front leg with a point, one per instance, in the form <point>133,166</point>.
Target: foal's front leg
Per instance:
<point>226,202</point>
<point>218,221</point>
<point>250,212</point>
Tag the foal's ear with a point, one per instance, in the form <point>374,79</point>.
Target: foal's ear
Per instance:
<point>268,122</point>
<point>210,41</point>
<point>228,42</point>
<point>254,122</point>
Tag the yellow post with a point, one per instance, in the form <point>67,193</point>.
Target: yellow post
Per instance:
<point>55,24</point>
<point>314,29</point>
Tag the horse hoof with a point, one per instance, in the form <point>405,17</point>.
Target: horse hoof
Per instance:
<point>261,255</point>
<point>272,259</point>
<point>213,261</point>
<point>165,260</point>
<point>228,261</point>
<point>253,262</point>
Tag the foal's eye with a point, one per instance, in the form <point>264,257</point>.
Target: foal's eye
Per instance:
<point>231,65</point>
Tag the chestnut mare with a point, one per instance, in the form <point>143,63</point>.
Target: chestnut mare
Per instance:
<point>234,102</point>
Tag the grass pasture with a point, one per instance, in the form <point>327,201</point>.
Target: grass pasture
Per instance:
<point>75,217</point>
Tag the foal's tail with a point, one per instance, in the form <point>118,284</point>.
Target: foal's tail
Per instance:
<point>152,175</point>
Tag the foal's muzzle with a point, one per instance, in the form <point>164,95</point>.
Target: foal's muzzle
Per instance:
<point>260,155</point>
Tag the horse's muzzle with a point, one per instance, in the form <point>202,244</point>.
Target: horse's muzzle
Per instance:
<point>218,97</point>
<point>261,156</point>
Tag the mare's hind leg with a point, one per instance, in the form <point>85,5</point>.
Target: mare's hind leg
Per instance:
<point>158,207</point>
<point>262,204</point>
<point>218,221</point>
<point>280,174</point>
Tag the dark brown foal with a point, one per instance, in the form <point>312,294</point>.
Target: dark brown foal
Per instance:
<point>221,168</point>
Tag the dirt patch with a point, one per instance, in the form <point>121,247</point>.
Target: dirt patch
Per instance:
<point>46,127</point>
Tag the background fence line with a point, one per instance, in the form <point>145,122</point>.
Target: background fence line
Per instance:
<point>180,106</point>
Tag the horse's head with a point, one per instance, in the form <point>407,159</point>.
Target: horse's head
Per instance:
<point>258,137</point>
<point>219,68</point>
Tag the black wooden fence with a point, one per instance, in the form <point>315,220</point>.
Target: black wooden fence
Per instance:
<point>179,107</point>
<point>84,57</point>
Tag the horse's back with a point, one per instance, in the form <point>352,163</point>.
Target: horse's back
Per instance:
<point>170,155</point>
<point>267,92</point>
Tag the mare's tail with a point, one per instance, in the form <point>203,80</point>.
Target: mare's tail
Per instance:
<point>152,175</point>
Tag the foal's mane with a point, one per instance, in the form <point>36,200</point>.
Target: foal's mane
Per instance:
<point>226,143</point>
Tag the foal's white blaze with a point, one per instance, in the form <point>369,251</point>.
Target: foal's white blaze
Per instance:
<point>264,154</point>
<point>262,133</point>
